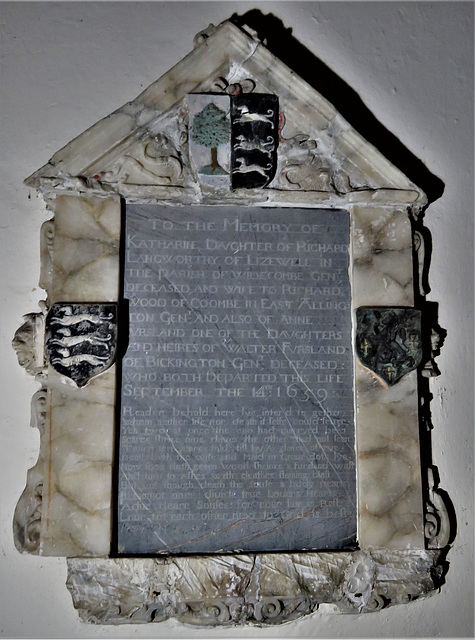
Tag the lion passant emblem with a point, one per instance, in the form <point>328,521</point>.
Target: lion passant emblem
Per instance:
<point>81,339</point>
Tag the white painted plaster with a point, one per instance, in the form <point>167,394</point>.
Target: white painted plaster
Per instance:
<point>65,66</point>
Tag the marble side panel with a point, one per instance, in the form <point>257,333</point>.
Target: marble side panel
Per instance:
<point>77,493</point>
<point>390,509</point>
<point>382,257</point>
<point>78,467</point>
<point>86,249</point>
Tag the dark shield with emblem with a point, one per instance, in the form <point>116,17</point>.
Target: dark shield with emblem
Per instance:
<point>81,339</point>
<point>254,139</point>
<point>388,341</point>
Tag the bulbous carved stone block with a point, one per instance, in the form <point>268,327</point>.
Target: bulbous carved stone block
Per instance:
<point>28,343</point>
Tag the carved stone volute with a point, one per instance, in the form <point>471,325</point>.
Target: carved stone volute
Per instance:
<point>204,35</point>
<point>152,161</point>
<point>437,528</point>
<point>27,517</point>
<point>46,254</point>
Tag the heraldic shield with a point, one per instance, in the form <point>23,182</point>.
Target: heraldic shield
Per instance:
<point>81,339</point>
<point>254,139</point>
<point>388,341</point>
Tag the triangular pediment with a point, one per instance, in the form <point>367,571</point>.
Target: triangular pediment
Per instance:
<point>144,145</point>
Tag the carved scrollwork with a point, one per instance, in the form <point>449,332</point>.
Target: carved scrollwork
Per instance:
<point>27,517</point>
<point>147,613</point>
<point>28,343</point>
<point>46,253</point>
<point>268,610</point>
<point>153,162</point>
<point>203,35</point>
<point>275,610</point>
<point>118,591</point>
<point>308,177</point>
<point>222,85</point>
<point>437,529</point>
<point>432,523</point>
<point>215,610</point>
<point>376,603</point>
<point>420,249</point>
<point>305,167</point>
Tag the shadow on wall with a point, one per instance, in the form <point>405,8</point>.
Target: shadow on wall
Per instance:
<point>280,41</point>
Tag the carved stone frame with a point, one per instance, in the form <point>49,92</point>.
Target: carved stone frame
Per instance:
<point>66,508</point>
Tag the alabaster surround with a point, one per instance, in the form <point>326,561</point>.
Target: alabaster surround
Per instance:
<point>67,506</point>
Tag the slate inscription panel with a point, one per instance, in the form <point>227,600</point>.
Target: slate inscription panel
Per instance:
<point>237,426</point>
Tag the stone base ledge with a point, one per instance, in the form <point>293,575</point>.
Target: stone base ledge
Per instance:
<point>262,589</point>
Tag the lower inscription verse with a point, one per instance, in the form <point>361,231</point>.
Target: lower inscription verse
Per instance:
<point>237,426</point>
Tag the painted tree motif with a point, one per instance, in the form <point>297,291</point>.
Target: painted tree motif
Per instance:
<point>210,129</point>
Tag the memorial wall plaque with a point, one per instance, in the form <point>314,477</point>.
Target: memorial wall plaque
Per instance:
<point>237,426</point>
<point>268,393</point>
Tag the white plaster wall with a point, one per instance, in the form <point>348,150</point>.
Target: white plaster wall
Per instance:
<point>66,65</point>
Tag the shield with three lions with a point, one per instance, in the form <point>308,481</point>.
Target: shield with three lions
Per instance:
<point>388,341</point>
<point>81,339</point>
